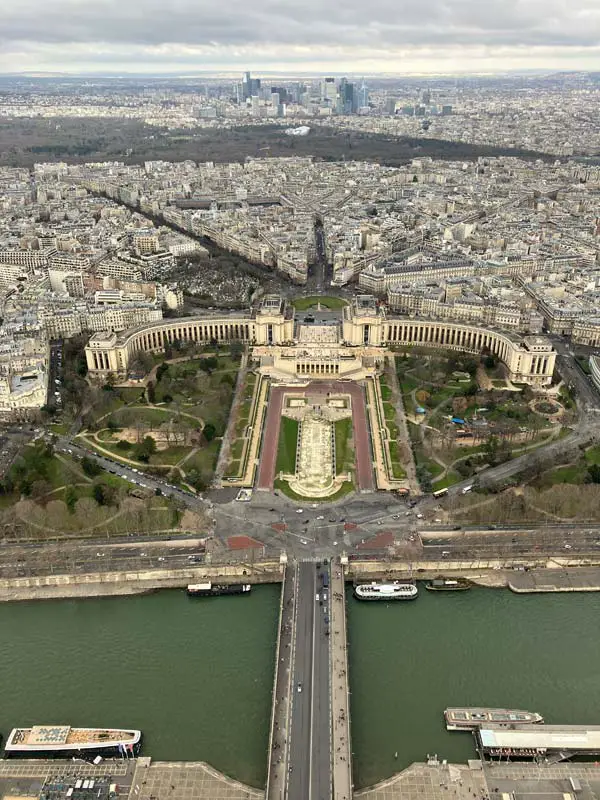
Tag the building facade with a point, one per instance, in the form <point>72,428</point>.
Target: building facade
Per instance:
<point>362,334</point>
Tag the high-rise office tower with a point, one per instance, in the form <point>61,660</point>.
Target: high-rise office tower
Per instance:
<point>348,97</point>
<point>250,86</point>
<point>246,81</point>
<point>363,96</point>
<point>328,91</point>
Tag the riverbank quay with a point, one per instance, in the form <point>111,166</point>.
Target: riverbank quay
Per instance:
<point>555,580</point>
<point>490,574</point>
<point>115,583</point>
<point>478,781</point>
<point>132,779</point>
<point>28,779</point>
<point>551,577</point>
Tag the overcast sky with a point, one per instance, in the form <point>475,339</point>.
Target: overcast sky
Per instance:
<point>391,36</point>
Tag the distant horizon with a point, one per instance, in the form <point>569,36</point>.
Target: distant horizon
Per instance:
<point>234,74</point>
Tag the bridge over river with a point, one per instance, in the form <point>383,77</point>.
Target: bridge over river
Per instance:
<point>309,744</point>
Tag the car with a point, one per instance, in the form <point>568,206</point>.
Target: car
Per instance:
<point>299,511</point>
<point>299,687</point>
<point>419,516</point>
<point>303,541</point>
<point>335,544</point>
<point>320,517</point>
<point>567,547</point>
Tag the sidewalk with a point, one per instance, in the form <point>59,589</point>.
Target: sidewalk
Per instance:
<point>340,710</point>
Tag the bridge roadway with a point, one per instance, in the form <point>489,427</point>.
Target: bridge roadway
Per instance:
<point>302,749</point>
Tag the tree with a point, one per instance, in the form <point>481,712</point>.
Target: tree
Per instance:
<point>70,498</point>
<point>593,473</point>
<point>145,449</point>
<point>103,494</point>
<point>151,392</point>
<point>161,371</point>
<point>90,467</point>
<point>236,349</point>
<point>209,431</point>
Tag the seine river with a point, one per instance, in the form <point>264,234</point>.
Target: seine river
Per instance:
<point>196,675</point>
<point>410,660</point>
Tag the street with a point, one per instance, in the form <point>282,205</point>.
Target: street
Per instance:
<point>309,776</point>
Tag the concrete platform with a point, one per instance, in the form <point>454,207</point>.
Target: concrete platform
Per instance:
<point>424,782</point>
<point>488,782</point>
<point>559,580</point>
<point>186,781</point>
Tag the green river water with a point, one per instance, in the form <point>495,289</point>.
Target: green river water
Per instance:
<point>196,675</point>
<point>488,647</point>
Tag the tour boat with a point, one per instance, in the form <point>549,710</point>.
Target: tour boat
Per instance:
<point>386,591</point>
<point>469,718</point>
<point>65,741</point>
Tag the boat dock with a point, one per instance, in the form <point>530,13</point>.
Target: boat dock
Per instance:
<point>527,741</point>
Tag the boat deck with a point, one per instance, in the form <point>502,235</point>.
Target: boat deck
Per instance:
<point>41,736</point>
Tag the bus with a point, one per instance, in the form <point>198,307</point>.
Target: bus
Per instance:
<point>325,580</point>
<point>441,492</point>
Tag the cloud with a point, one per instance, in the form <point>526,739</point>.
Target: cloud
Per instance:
<point>203,32</point>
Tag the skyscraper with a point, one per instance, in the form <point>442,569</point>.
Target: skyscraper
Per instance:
<point>348,97</point>
<point>363,96</point>
<point>250,86</point>
<point>328,91</point>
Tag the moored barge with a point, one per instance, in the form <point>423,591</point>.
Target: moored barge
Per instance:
<point>209,589</point>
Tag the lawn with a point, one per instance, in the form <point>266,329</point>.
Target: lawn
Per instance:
<point>333,303</point>
<point>346,488</point>
<point>398,470</point>
<point>344,452</point>
<point>449,479</point>
<point>286,446</point>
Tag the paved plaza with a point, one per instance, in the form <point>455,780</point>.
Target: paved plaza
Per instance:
<point>522,781</point>
<point>424,782</point>
<point>186,781</point>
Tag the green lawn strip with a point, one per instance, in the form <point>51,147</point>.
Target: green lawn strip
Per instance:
<point>584,363</point>
<point>236,450</point>
<point>346,488</point>
<point>233,469</point>
<point>592,455</point>
<point>573,473</point>
<point>344,456</point>
<point>59,428</point>
<point>205,459</point>
<point>303,303</point>
<point>286,446</point>
<point>449,479</point>
<point>128,417</point>
<point>398,471</point>
<point>171,455</point>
